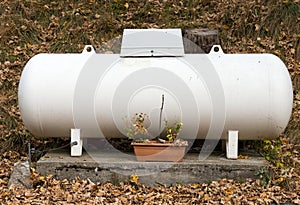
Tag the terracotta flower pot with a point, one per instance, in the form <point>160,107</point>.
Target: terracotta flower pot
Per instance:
<point>159,152</point>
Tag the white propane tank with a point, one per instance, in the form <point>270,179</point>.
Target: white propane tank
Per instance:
<point>251,93</point>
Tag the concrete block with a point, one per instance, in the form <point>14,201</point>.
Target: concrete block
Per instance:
<point>108,166</point>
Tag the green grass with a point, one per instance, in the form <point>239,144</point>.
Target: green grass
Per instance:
<point>282,14</point>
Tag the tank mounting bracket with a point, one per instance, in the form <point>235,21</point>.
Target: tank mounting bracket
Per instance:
<point>232,144</point>
<point>76,143</point>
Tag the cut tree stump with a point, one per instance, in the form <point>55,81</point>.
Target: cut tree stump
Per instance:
<point>204,39</point>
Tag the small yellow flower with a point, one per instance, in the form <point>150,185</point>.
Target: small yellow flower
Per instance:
<point>134,178</point>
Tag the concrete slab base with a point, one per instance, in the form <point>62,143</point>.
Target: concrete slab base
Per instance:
<point>102,166</point>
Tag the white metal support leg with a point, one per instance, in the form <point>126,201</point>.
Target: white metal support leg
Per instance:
<point>232,144</point>
<point>76,143</point>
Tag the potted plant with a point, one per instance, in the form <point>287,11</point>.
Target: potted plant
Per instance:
<point>165,147</point>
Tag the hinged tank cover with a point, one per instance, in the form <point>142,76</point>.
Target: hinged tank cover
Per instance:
<point>152,42</point>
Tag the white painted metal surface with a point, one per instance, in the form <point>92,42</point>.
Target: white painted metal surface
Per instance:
<point>152,42</point>
<point>232,144</point>
<point>96,92</point>
<point>76,143</point>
